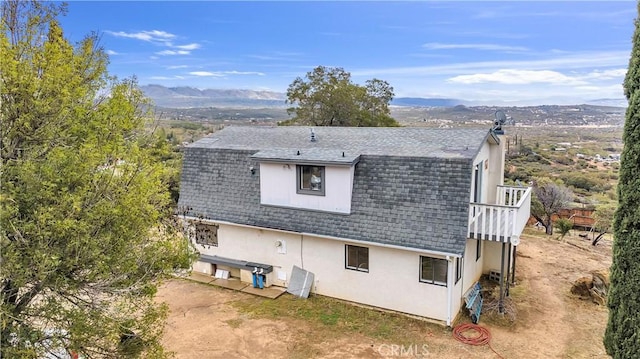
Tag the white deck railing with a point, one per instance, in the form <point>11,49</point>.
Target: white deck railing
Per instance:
<point>503,221</point>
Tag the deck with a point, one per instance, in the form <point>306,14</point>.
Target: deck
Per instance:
<point>234,284</point>
<point>503,221</point>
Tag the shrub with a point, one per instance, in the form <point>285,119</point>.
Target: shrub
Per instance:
<point>564,226</point>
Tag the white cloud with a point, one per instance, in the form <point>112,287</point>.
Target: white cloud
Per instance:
<point>175,67</point>
<point>581,60</point>
<point>150,36</point>
<point>482,47</point>
<point>192,46</point>
<point>224,73</point>
<point>242,73</point>
<point>204,74</point>
<point>606,74</point>
<point>111,53</point>
<point>518,77</point>
<point>161,38</point>
<point>173,52</point>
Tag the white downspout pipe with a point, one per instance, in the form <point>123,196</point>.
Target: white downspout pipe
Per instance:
<point>450,279</point>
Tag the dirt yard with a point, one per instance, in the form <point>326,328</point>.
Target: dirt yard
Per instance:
<point>207,322</point>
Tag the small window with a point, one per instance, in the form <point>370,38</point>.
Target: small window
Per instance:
<point>433,270</point>
<point>311,180</point>
<point>207,234</point>
<point>458,269</point>
<point>357,258</point>
<point>478,249</point>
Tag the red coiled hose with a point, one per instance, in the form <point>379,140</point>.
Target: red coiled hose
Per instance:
<point>473,334</point>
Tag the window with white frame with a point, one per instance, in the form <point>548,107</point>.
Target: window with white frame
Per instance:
<point>433,270</point>
<point>206,234</point>
<point>357,258</point>
<point>310,179</point>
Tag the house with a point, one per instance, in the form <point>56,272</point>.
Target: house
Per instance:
<point>405,219</point>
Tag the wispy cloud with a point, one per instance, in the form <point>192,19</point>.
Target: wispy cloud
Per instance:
<point>577,60</point>
<point>175,67</point>
<point>223,73</point>
<point>518,77</point>
<point>189,47</point>
<point>483,47</point>
<point>204,74</point>
<point>242,73</point>
<point>150,36</point>
<point>111,53</point>
<point>606,74</point>
<point>159,37</point>
<point>173,52</point>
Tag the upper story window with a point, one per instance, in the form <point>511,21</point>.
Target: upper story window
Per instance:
<point>311,180</point>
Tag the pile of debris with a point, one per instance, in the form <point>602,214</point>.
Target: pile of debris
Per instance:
<point>594,287</point>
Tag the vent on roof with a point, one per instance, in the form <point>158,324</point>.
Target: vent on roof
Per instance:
<point>313,136</point>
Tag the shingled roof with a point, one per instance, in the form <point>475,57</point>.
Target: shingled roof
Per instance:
<point>411,185</point>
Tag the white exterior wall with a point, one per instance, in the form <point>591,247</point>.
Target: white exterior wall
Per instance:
<point>278,187</point>
<point>256,245</point>
<point>491,158</point>
<point>472,268</point>
<point>496,167</point>
<point>494,254</point>
<point>391,283</point>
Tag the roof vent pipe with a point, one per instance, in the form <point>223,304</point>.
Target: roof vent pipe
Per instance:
<point>313,136</point>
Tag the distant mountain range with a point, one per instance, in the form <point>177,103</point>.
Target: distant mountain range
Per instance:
<point>190,97</point>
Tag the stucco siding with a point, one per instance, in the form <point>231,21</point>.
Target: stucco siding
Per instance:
<point>494,255</point>
<point>472,268</point>
<point>391,283</point>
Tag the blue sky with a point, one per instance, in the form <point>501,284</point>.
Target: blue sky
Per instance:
<point>506,52</point>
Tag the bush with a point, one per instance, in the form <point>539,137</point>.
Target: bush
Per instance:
<point>564,226</point>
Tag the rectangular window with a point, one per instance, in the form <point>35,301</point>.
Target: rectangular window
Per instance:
<point>311,180</point>
<point>207,234</point>
<point>458,269</point>
<point>433,270</point>
<point>357,258</point>
<point>478,249</point>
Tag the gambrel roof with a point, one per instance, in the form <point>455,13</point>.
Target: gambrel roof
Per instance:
<point>411,186</point>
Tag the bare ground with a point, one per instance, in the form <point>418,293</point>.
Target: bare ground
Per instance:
<point>550,323</point>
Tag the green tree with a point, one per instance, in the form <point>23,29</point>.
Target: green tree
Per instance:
<point>328,97</point>
<point>604,216</point>
<point>85,218</point>
<point>621,338</point>
<point>548,199</point>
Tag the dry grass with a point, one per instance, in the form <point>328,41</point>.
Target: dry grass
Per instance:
<point>331,318</point>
